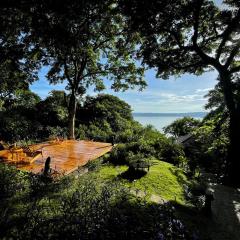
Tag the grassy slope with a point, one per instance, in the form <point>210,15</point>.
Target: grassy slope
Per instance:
<point>163,179</point>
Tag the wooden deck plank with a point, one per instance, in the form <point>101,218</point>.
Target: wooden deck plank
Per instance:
<point>66,156</point>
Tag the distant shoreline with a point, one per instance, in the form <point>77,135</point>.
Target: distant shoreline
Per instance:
<point>189,114</point>
<point>161,120</point>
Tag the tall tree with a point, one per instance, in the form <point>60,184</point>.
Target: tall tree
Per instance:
<point>194,36</point>
<point>83,43</point>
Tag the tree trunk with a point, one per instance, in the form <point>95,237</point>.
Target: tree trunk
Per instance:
<point>233,171</point>
<point>233,159</point>
<point>71,115</point>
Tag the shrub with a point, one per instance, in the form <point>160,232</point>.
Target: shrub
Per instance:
<point>54,132</point>
<point>159,148</point>
<point>12,181</point>
<point>120,154</point>
<point>96,211</point>
<point>169,152</point>
<point>14,127</point>
<point>138,164</point>
<point>94,164</point>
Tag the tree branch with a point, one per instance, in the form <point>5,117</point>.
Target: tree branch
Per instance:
<point>196,22</point>
<point>81,70</point>
<point>226,34</point>
<point>67,74</point>
<point>233,53</point>
<point>235,69</point>
<point>186,67</point>
<point>93,73</point>
<point>206,58</point>
<point>175,36</point>
<point>100,44</point>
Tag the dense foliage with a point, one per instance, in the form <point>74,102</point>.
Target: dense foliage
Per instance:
<point>207,140</point>
<point>181,127</point>
<point>209,144</point>
<point>107,118</point>
<point>159,148</point>
<point>140,153</point>
<point>28,117</point>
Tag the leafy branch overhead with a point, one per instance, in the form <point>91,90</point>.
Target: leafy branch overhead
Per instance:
<point>186,36</point>
<point>88,44</point>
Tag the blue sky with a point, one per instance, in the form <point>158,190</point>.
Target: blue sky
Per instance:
<point>183,94</point>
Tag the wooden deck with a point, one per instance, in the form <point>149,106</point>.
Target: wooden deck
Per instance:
<point>66,156</point>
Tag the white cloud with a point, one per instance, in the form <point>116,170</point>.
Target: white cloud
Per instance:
<point>156,101</point>
<point>203,90</point>
<point>152,96</point>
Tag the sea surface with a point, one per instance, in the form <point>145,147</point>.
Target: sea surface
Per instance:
<point>161,120</point>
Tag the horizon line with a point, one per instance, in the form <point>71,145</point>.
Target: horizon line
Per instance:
<point>170,112</point>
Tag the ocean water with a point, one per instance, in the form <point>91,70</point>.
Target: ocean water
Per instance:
<point>161,120</point>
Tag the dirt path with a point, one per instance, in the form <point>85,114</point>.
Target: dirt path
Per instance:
<point>226,212</point>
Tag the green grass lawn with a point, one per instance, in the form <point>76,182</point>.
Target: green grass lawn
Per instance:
<point>163,180</point>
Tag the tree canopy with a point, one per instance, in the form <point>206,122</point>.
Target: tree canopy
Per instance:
<point>182,126</point>
<point>186,36</point>
<point>17,66</point>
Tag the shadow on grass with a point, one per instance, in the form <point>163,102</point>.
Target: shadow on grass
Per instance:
<point>132,174</point>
